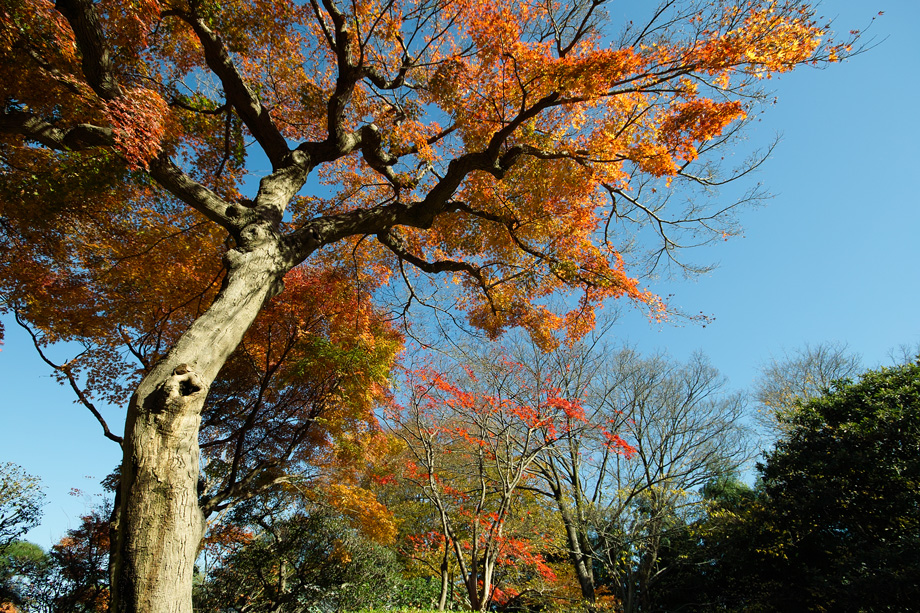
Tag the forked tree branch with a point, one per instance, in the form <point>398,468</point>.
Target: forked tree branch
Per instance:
<point>232,216</point>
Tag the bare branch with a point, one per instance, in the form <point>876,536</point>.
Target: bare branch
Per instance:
<point>65,370</point>
<point>232,216</point>
<point>394,244</point>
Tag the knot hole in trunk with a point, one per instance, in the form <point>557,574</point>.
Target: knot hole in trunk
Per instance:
<point>189,383</point>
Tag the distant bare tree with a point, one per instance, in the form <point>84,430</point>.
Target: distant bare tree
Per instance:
<point>799,376</point>
<point>905,353</point>
<point>658,430</point>
<point>686,428</point>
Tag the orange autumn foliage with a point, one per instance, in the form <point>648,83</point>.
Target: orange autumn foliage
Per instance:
<point>565,117</point>
<point>303,384</point>
<point>364,511</point>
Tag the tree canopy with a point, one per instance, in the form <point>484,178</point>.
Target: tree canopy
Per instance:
<point>21,500</point>
<point>514,148</point>
<point>843,493</point>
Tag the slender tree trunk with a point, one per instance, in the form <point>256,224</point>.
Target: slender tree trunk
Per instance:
<point>647,563</point>
<point>581,563</point>
<point>159,523</point>
<point>629,603</point>
<point>488,572</point>
<point>445,568</point>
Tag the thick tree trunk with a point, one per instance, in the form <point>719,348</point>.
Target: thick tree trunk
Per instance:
<point>159,523</point>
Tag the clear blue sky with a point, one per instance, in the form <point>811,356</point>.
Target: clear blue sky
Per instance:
<point>833,257</point>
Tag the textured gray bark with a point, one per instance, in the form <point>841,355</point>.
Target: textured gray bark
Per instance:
<point>160,525</point>
<point>445,577</point>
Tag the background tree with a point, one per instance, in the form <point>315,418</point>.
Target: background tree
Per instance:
<point>20,503</point>
<point>687,430</point>
<point>843,489</point>
<point>833,522</point>
<point>486,142</point>
<point>23,565</point>
<point>622,472</point>
<point>569,371</point>
<point>471,446</point>
<point>905,353</point>
<point>81,563</point>
<point>800,376</point>
<point>708,558</point>
<point>71,577</point>
<point>660,431</point>
<point>303,559</point>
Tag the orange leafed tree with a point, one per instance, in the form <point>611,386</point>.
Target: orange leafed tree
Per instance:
<point>82,557</point>
<point>510,147</point>
<point>472,447</point>
<point>303,383</point>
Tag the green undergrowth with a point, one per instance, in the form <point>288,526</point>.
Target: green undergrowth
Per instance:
<point>571,608</point>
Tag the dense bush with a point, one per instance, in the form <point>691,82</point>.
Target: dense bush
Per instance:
<point>834,524</point>
<point>314,562</point>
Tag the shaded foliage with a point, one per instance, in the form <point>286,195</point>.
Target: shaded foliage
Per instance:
<point>305,562</point>
<point>81,565</point>
<point>835,521</point>
<point>22,566</point>
<point>73,577</point>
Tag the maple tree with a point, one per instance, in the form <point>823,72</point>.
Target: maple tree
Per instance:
<point>303,384</point>
<point>292,406</point>
<point>81,559</point>
<point>472,446</point>
<point>502,145</point>
<point>618,475</point>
